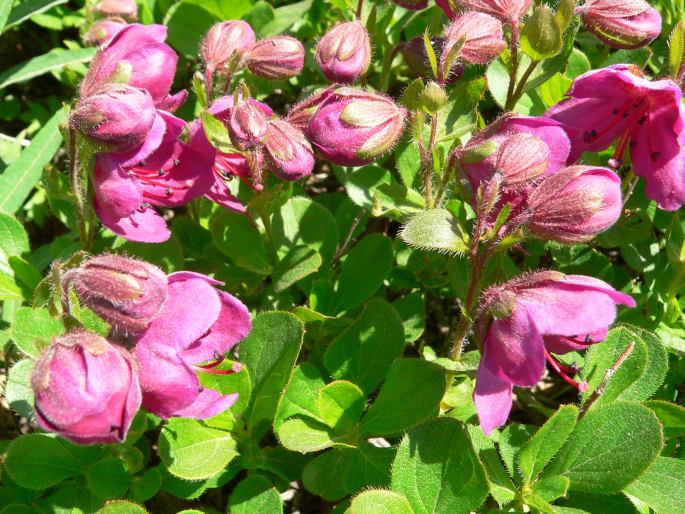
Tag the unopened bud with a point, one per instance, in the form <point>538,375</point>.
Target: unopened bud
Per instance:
<point>413,5</point>
<point>433,98</point>
<point>302,112</point>
<point>127,9</point>
<point>117,115</point>
<point>625,24</point>
<point>288,153</point>
<point>353,127</point>
<point>102,32</point>
<point>125,292</point>
<point>507,11</point>
<point>479,35</point>
<point>575,204</point>
<point>247,124</point>
<point>344,52</point>
<point>224,40</point>
<point>278,57</point>
<point>86,389</point>
<point>522,158</point>
<point>541,35</point>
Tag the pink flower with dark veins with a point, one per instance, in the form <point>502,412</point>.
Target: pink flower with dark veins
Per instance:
<point>533,315</point>
<point>647,117</point>
<point>198,324</point>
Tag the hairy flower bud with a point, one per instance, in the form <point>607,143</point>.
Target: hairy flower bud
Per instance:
<point>522,158</point>
<point>224,40</point>
<point>414,53</point>
<point>575,204</point>
<point>353,127</point>
<point>344,52</point>
<point>303,111</point>
<point>125,292</point>
<point>102,32</point>
<point>621,23</point>
<point>127,9</point>
<point>86,389</point>
<point>247,124</point>
<point>479,35</point>
<point>276,58</point>
<point>117,115</point>
<point>507,11</point>
<point>288,153</point>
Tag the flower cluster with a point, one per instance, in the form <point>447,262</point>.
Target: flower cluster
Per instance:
<point>88,388</point>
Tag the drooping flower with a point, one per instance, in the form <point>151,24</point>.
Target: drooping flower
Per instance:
<point>224,40</point>
<point>344,52</point>
<point>86,389</point>
<point>532,315</point>
<point>247,124</point>
<point>647,117</point>
<point>198,324</point>
<point>127,293</point>
<point>275,58</point>
<point>288,154</point>
<point>621,23</point>
<point>479,35</point>
<point>575,204</point>
<point>353,127</point>
<point>521,159</point>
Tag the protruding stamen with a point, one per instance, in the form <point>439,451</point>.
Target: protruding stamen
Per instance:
<point>556,366</point>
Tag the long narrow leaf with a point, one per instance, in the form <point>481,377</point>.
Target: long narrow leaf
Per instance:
<point>5,8</point>
<point>53,60</point>
<point>19,178</point>
<point>25,10</point>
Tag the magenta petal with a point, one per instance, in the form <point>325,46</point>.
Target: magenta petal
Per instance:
<point>583,282</point>
<point>145,226</point>
<point>173,102</point>
<point>192,307</point>
<point>207,404</point>
<point>231,327</point>
<point>219,194</point>
<point>550,131</point>
<point>152,142</point>
<point>513,348</point>
<point>181,276</point>
<point>117,193</point>
<point>561,345</point>
<point>492,397</point>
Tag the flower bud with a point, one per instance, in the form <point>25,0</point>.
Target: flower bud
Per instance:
<point>353,127</point>
<point>507,11</point>
<point>344,52</point>
<point>575,204</point>
<point>479,35</point>
<point>288,153</point>
<point>86,389</point>
<point>621,23</point>
<point>278,57</point>
<point>414,53</point>
<point>247,124</point>
<point>117,115</point>
<point>103,31</point>
<point>125,292</point>
<point>413,5</point>
<point>127,9</point>
<point>433,98</point>
<point>522,158</point>
<point>303,111</point>
<point>224,40</point>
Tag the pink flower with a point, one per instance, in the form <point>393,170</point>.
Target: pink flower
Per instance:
<point>247,124</point>
<point>137,56</point>
<point>507,11</point>
<point>480,36</point>
<point>127,9</point>
<point>278,57</point>
<point>103,31</point>
<point>197,324</point>
<point>288,154</point>
<point>532,315</point>
<point>86,389</point>
<point>621,23</point>
<point>224,40</point>
<point>575,204</point>
<point>645,116</point>
<point>163,172</point>
<point>302,112</point>
<point>344,52</point>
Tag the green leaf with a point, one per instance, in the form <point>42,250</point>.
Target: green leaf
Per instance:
<point>193,450</point>
<point>638,377</point>
<point>122,507</point>
<point>435,229</point>
<point>342,471</point>
<point>300,262</point>
<point>284,17</point>
<point>661,486</point>
<point>9,290</point>
<point>215,131</point>
<point>255,495</point>
<point>551,488</point>
<point>609,448</point>
<point>363,271</point>
<point>228,384</point>
<point>412,310</point>
<point>38,461</point>
<point>19,178</point>
<point>54,60</point>
<point>236,236</point>
<point>410,394</point>
<point>540,449</point>
<point>5,8</point>
<point>341,404</point>
<point>18,391</point>
<point>304,435</point>
<point>363,352</point>
<point>412,94</point>
<point>672,417</point>
<point>108,478</point>
<point>437,469</point>
<point>33,329</point>
<point>302,221</point>
<point>187,23</point>
<point>380,501</point>
<point>301,396</point>
<point>430,52</point>
<point>24,10</point>
<point>676,48</point>
<point>565,13</point>
<point>13,238</point>
<point>270,352</point>
<point>145,486</point>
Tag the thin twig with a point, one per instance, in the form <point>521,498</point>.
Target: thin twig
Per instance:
<point>343,248</point>
<point>514,66</point>
<point>77,187</point>
<point>605,381</point>
<point>522,83</point>
<point>360,4</point>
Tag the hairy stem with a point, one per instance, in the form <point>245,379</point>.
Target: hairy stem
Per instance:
<point>360,4</point>
<point>508,105</point>
<point>522,83</point>
<point>597,393</point>
<point>77,188</point>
